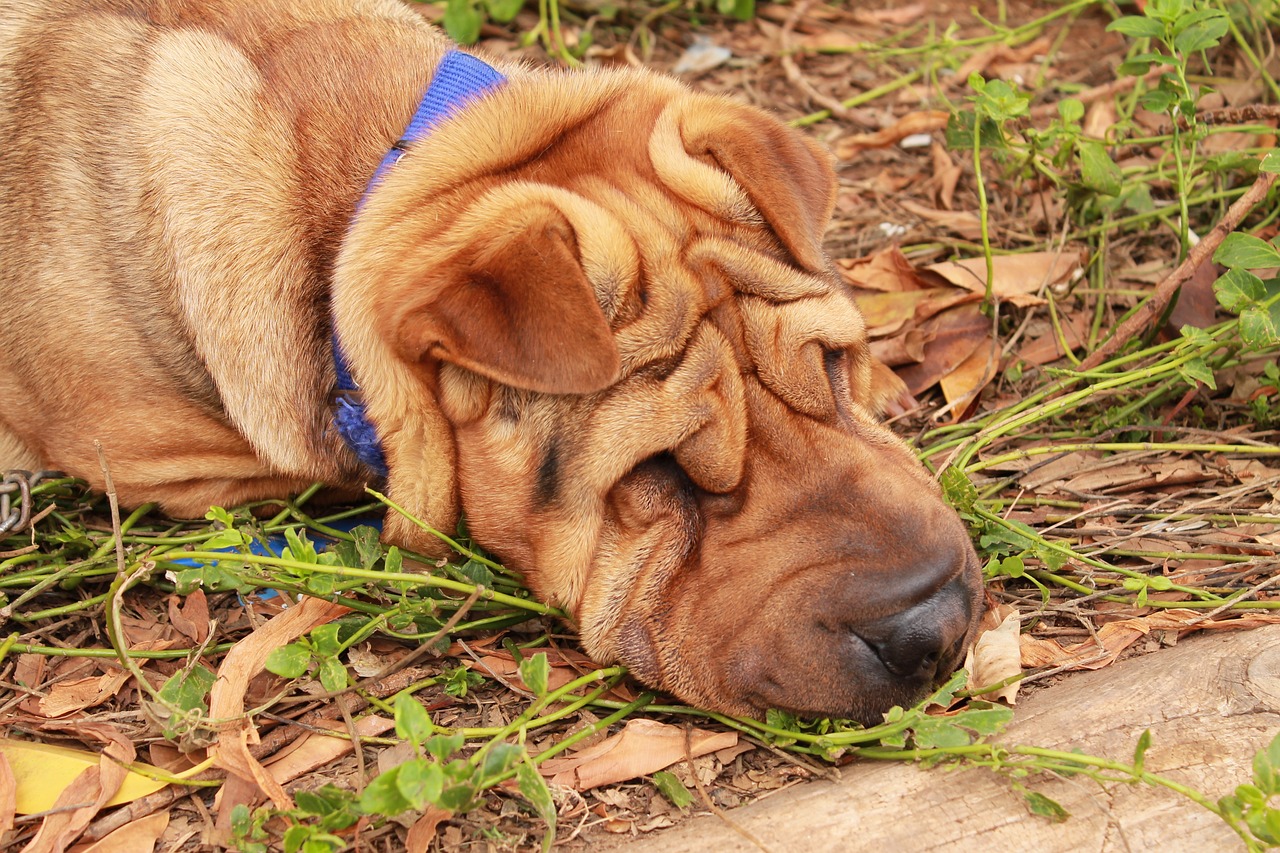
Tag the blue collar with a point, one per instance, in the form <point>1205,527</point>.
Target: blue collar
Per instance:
<point>459,78</point>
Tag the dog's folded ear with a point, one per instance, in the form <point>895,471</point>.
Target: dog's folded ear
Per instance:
<point>513,304</point>
<point>787,177</point>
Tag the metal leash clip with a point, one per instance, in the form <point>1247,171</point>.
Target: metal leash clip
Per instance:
<point>15,515</point>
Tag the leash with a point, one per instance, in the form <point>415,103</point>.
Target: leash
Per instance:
<point>459,78</point>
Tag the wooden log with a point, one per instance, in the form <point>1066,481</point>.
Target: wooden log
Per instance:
<point>1211,703</point>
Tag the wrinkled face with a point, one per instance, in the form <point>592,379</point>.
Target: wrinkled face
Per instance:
<point>668,423</point>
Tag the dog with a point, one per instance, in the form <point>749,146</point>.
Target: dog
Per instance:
<point>589,311</point>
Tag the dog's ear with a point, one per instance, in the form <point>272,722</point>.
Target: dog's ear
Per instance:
<point>787,176</point>
<point>513,304</point>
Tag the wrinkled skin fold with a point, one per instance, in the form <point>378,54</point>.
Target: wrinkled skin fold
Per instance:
<point>591,312</point>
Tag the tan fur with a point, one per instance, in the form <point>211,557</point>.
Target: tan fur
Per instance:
<point>591,312</point>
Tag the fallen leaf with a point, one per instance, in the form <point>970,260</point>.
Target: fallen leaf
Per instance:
<point>904,14</point>
<point>970,376</point>
<point>138,836</point>
<point>642,747</point>
<point>921,121</point>
<point>81,800</point>
<point>68,696</point>
<point>963,222</point>
<point>1048,347</point>
<point>190,615</point>
<point>956,334</point>
<point>227,699</point>
<point>1017,278</point>
<point>888,271</point>
<point>313,751</point>
<point>996,656</point>
<point>423,831</point>
<point>8,795</point>
<point>41,771</point>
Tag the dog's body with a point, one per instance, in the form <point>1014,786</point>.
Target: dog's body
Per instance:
<point>591,311</point>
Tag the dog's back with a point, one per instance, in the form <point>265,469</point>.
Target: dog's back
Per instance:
<point>167,170</point>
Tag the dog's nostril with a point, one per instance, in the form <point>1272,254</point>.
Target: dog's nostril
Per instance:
<point>911,651</point>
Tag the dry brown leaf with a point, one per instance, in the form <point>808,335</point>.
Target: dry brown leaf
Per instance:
<point>138,836</point>
<point>641,748</point>
<point>190,615</point>
<point>888,313</point>
<point>887,271</point>
<point>1196,304</point>
<point>899,350</point>
<point>1099,118</point>
<point>8,796</point>
<point>313,751</point>
<point>921,121</point>
<point>227,699</point>
<point>956,334</point>
<point>91,790</point>
<point>970,376</point>
<point>995,656</point>
<point>1017,278</point>
<point>423,831</point>
<point>904,14</point>
<point>963,222</point>
<point>1047,347</point>
<point>946,175</point>
<point>1110,640</point>
<point>70,696</point>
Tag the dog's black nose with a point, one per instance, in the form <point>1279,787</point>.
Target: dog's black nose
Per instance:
<point>916,643</point>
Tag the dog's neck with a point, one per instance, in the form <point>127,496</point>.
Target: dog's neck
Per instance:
<point>459,78</point>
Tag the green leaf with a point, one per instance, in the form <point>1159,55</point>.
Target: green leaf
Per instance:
<point>1140,752</point>
<point>225,540</point>
<point>1238,289</point>
<point>1260,327</point>
<point>420,782</point>
<point>1042,806</point>
<point>443,746</point>
<point>300,548</point>
<point>394,561</point>
<point>534,789</point>
<point>1098,171</point>
<point>333,675</point>
<point>289,661</point>
<point>188,688</point>
<point>324,639</point>
<point>462,21</point>
<point>501,758</point>
<point>1271,162</point>
<point>1136,27</point>
<point>670,786</point>
<point>413,723</point>
<point>368,546</point>
<point>1245,251</point>
<point>958,490</point>
<point>535,673</point>
<point>1197,370</point>
<point>1201,35</point>
<point>1071,110</point>
<point>382,796</point>
<point>475,572</point>
<point>961,127</point>
<point>985,721</point>
<point>938,733</point>
<point>503,11</point>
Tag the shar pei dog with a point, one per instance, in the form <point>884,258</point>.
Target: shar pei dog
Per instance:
<point>589,311</point>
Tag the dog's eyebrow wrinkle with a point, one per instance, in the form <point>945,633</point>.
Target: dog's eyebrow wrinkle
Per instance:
<point>548,474</point>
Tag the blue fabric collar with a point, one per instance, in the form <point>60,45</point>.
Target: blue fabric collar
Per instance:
<point>459,78</point>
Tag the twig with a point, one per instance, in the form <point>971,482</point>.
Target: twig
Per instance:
<point>706,798</point>
<point>792,70</point>
<point>1142,319</point>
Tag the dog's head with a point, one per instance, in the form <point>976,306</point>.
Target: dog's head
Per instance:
<point>594,315</point>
